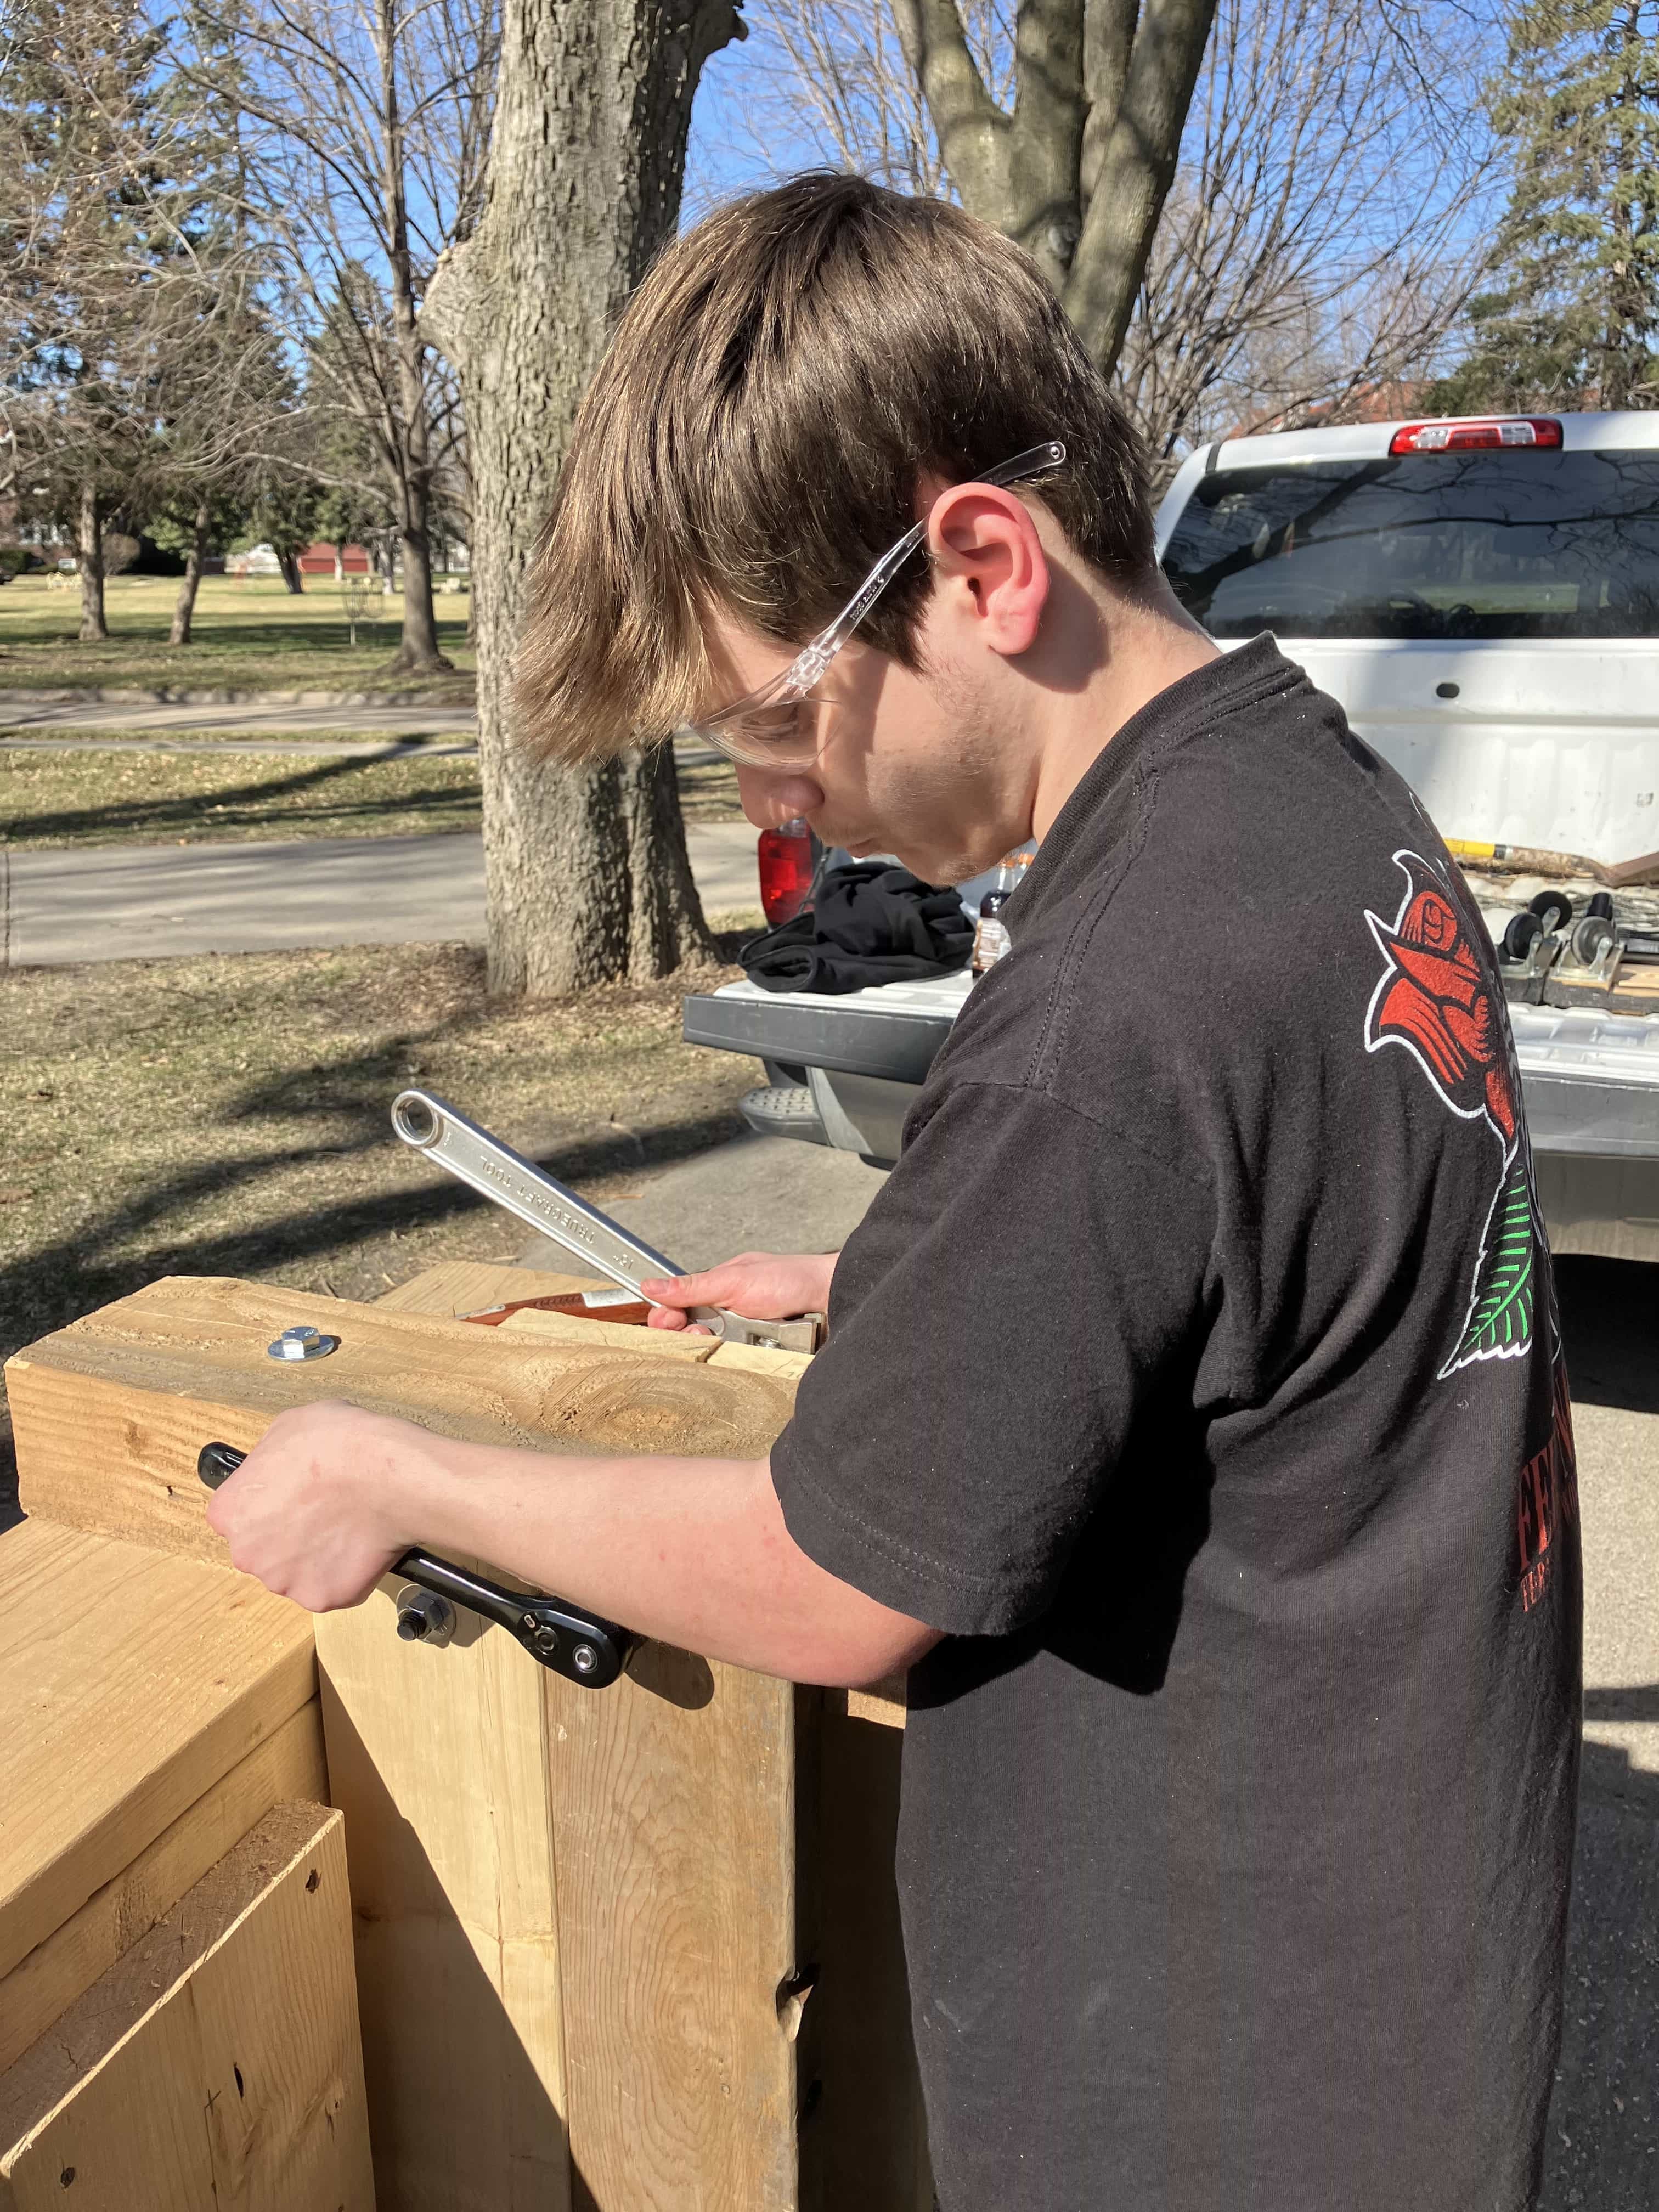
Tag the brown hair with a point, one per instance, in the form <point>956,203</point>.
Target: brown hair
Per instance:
<point>753,439</point>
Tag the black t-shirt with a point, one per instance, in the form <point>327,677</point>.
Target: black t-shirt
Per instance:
<point>1196,1371</point>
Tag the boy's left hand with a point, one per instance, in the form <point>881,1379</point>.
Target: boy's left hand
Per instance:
<point>318,1509</point>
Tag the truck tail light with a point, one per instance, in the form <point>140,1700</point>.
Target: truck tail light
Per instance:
<point>1454,437</point>
<point>786,871</point>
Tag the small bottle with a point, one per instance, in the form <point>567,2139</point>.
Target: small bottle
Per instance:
<point>991,939</point>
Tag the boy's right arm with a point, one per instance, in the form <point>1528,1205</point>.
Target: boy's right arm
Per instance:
<point>766,1285</point>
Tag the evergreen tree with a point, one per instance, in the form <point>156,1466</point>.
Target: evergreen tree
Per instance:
<point>1571,320</point>
<point>113,258</point>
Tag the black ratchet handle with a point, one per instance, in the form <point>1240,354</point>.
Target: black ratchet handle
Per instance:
<point>585,1650</point>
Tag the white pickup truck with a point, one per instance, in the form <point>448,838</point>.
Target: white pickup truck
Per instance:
<point>1482,595</point>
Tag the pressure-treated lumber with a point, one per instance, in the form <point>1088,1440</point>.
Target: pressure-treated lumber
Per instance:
<point>110,1413</point>
<point>133,1684</point>
<point>216,2062</point>
<point>287,1765</point>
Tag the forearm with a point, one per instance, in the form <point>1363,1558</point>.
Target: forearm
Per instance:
<point>694,1551</point>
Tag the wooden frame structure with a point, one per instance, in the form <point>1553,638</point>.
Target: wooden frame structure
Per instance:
<point>634,1950</point>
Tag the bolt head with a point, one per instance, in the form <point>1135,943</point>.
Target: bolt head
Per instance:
<point>585,1658</point>
<point>303,1342</point>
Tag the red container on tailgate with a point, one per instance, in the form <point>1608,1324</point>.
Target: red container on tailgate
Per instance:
<point>786,871</point>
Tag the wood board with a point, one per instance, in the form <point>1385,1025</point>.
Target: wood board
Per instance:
<point>287,1765</point>
<point>134,1683</point>
<point>110,1413</point>
<point>438,1758</point>
<point>589,1921</point>
<point>216,2062</point>
<point>666,1808</point>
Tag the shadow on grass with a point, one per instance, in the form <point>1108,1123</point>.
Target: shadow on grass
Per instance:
<point>75,1275</point>
<point>242,805</point>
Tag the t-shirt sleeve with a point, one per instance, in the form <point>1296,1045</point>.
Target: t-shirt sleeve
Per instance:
<point>1019,1295</point>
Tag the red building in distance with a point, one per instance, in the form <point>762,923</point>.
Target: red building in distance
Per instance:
<point>324,559</point>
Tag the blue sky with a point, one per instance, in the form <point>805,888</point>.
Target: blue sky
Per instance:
<point>721,158</point>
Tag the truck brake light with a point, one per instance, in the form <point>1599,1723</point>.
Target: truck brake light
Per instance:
<point>1467,437</point>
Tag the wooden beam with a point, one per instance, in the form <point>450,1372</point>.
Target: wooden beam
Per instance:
<point>110,1413</point>
<point>216,2062</point>
<point>671,1805</point>
<point>287,1765</point>
<point>668,1806</point>
<point>439,1759</point>
<point>586,1924</point>
<point>133,1684</point>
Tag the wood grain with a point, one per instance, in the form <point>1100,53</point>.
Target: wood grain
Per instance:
<point>673,1829</point>
<point>110,1413</point>
<point>578,1332</point>
<point>467,1286</point>
<point>288,1764</point>
<point>133,1684</point>
<point>883,1702</point>
<point>671,1807</point>
<point>437,1758</point>
<point>217,2063</point>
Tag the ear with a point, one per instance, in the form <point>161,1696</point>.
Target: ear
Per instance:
<point>988,563</point>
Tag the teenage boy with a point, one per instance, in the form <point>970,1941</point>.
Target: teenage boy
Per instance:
<point>1191,1425</point>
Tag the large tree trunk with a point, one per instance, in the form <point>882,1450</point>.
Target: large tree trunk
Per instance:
<point>586,868</point>
<point>1079,170</point>
<point>89,559</point>
<point>289,562</point>
<point>418,653</point>
<point>184,607</point>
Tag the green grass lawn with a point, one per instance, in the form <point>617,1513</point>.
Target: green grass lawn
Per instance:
<point>250,635</point>
<point>87,797</point>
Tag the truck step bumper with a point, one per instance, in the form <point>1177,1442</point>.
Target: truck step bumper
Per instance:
<point>784,1109</point>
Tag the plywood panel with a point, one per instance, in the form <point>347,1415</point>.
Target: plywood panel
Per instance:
<point>288,1764</point>
<point>110,1413</point>
<point>437,1758</point>
<point>217,2062</point>
<point>132,1684</point>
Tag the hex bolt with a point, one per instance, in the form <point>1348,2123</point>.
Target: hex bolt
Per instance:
<point>303,1342</point>
<point>424,1618</point>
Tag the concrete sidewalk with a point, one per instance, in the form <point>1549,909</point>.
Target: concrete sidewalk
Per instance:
<point>154,902</point>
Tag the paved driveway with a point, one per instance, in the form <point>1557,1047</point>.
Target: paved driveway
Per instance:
<point>150,902</point>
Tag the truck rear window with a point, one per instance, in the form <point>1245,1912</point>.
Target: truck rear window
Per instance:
<point>1486,544</point>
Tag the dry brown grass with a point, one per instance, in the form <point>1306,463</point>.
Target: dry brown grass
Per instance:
<point>227,1115</point>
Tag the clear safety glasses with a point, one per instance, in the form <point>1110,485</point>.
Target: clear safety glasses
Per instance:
<point>777,726</point>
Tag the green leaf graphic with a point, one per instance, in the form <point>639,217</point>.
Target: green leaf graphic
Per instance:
<point>1500,1313</point>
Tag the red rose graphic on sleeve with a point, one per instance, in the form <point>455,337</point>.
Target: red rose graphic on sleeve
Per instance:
<point>1436,997</point>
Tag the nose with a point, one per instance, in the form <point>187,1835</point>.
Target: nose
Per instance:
<point>771,798</point>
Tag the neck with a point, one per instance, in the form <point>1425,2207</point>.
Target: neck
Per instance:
<point>1122,651</point>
